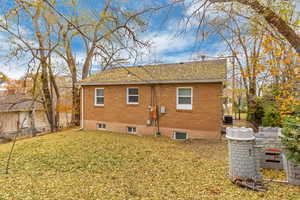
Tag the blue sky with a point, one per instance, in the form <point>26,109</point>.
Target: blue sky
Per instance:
<point>167,45</point>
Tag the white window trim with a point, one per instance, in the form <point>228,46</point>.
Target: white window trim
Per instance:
<point>174,132</point>
<point>131,132</point>
<point>127,95</point>
<point>184,106</point>
<point>101,128</point>
<point>95,99</point>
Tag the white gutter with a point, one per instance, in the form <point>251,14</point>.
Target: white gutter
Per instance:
<point>150,82</point>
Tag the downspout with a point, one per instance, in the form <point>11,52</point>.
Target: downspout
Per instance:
<point>154,115</point>
<point>150,121</point>
<point>154,103</point>
<point>81,121</point>
<point>158,133</point>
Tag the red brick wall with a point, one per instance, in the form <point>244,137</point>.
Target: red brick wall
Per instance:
<point>204,117</point>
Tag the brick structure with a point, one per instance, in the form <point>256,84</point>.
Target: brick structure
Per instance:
<point>247,154</point>
<point>201,119</point>
<point>243,162</point>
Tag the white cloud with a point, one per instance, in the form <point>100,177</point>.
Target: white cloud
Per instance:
<point>165,41</point>
<point>14,70</point>
<point>180,57</point>
<point>12,66</point>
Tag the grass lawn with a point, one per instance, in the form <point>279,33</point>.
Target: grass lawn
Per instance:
<point>100,165</point>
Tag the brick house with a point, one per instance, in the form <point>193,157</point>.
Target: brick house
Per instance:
<point>182,100</point>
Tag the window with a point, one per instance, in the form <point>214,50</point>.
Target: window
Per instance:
<point>131,130</point>
<point>101,126</point>
<point>24,120</point>
<point>132,95</point>
<point>99,96</point>
<point>180,135</point>
<point>184,99</point>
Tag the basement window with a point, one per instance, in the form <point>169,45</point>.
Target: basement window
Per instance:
<point>101,126</point>
<point>99,97</point>
<point>184,98</point>
<point>177,135</point>
<point>131,130</point>
<point>132,95</point>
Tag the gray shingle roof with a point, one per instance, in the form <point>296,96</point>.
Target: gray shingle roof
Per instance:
<point>198,71</point>
<point>17,102</point>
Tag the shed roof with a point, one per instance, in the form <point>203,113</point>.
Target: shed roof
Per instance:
<point>17,102</point>
<point>188,72</point>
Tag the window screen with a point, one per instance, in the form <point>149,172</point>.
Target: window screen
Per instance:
<point>132,95</point>
<point>99,96</point>
<point>101,126</point>
<point>180,135</point>
<point>131,129</point>
<point>184,98</point>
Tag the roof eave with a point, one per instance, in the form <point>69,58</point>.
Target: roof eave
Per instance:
<point>20,110</point>
<point>150,82</point>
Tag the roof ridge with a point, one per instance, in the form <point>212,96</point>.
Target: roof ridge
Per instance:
<point>165,64</point>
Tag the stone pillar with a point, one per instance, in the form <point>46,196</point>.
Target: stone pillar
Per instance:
<point>243,162</point>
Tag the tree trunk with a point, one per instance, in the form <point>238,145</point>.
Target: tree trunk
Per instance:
<point>57,94</point>
<point>76,105</point>
<point>254,113</point>
<point>87,62</point>
<point>273,20</point>
<point>47,97</point>
<point>75,119</point>
<point>75,94</point>
<point>33,118</point>
<point>44,76</point>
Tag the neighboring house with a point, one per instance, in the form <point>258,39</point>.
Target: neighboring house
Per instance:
<point>182,100</point>
<point>16,113</point>
<point>18,88</point>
